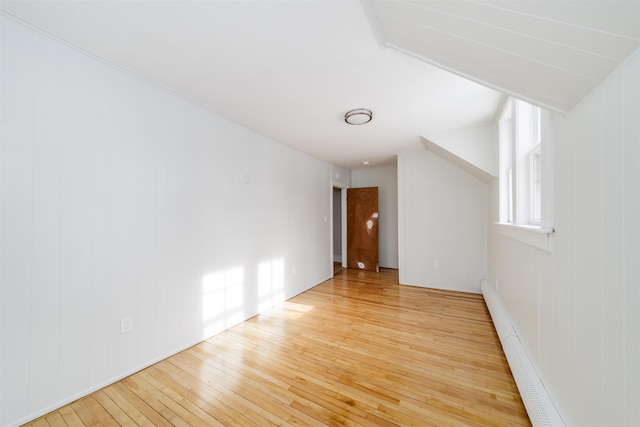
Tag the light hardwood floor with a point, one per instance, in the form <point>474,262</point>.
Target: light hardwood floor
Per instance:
<point>355,350</point>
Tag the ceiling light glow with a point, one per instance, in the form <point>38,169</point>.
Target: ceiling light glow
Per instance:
<point>358,116</point>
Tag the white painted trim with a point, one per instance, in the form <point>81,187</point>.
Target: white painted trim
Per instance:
<point>538,403</point>
<point>532,235</point>
<point>402,262</point>
<point>141,367</point>
<point>479,81</point>
<point>372,16</point>
<point>1,210</point>
<point>331,224</point>
<point>441,287</point>
<point>343,204</point>
<point>480,173</point>
<point>343,232</point>
<point>63,402</point>
<point>603,82</point>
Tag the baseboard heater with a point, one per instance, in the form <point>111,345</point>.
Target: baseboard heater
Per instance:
<point>540,407</point>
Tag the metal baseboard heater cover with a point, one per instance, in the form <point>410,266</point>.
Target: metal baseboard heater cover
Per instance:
<point>540,408</point>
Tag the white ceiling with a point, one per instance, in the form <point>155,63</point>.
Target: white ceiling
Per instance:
<point>288,69</point>
<point>552,53</point>
<point>291,69</point>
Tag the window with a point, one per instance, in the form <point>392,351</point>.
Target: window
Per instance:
<point>536,185</point>
<point>523,131</point>
<point>505,129</point>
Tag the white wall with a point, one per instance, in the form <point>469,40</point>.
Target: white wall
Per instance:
<point>120,199</point>
<point>476,144</point>
<point>442,216</point>
<point>340,176</point>
<point>386,179</point>
<point>577,309</point>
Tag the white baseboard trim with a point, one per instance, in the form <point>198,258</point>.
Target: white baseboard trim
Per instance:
<point>540,407</point>
<point>69,399</point>
<point>88,391</point>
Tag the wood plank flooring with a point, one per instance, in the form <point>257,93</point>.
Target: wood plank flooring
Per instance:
<point>358,349</point>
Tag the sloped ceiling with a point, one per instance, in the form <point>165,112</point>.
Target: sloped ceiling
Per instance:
<point>287,69</point>
<point>290,69</point>
<point>551,53</point>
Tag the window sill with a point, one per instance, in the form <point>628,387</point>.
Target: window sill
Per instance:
<point>532,235</point>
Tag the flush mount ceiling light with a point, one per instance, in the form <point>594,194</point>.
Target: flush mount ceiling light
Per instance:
<point>358,116</point>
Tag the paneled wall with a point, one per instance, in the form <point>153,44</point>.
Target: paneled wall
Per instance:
<point>340,177</point>
<point>442,224</point>
<point>577,309</point>
<point>119,199</point>
<point>384,177</point>
<point>476,144</point>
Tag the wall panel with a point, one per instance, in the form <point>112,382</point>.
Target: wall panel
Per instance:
<point>119,199</point>
<point>582,330</point>
<point>631,239</point>
<point>442,218</point>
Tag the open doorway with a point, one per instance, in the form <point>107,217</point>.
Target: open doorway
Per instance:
<point>337,250</point>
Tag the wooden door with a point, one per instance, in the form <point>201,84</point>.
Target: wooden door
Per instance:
<point>362,228</point>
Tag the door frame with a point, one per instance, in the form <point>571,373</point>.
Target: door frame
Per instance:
<point>359,199</point>
<point>343,214</point>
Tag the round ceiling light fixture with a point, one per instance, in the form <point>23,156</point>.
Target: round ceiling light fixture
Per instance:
<point>358,116</point>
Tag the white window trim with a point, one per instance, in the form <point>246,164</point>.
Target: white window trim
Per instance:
<point>536,151</point>
<point>506,192</point>
<point>537,234</point>
<point>533,235</point>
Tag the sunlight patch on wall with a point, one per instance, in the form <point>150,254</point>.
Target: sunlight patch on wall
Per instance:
<point>222,300</point>
<point>270,283</point>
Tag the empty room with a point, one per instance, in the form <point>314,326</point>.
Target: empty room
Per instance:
<point>317,212</point>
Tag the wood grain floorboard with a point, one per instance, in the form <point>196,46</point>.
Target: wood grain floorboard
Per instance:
<point>356,350</point>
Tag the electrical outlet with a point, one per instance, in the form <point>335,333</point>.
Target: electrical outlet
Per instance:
<point>126,325</point>
<point>436,264</point>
